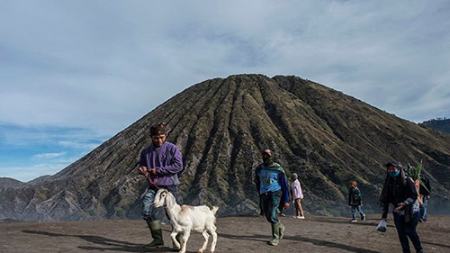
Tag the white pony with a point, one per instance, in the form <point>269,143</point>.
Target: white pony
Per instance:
<point>186,218</point>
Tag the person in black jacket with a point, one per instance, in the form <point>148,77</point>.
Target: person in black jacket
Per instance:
<point>355,201</point>
<point>400,192</point>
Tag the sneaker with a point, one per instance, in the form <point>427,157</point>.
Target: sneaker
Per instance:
<point>354,220</point>
<point>301,217</point>
<point>363,218</point>
<point>282,215</point>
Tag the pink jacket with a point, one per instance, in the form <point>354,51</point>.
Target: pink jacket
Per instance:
<point>296,190</point>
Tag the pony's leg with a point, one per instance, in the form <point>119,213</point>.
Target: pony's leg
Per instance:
<point>212,231</point>
<point>185,239</point>
<point>206,236</point>
<point>175,242</point>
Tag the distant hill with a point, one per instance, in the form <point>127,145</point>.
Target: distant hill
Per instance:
<point>442,125</point>
<point>6,182</point>
<point>325,136</point>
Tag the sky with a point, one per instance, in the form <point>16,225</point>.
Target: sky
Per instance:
<point>74,73</point>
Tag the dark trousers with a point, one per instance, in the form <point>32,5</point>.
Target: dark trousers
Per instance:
<point>408,229</point>
<point>270,201</point>
<point>357,209</point>
<point>424,209</point>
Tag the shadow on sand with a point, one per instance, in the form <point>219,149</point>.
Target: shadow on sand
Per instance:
<point>112,245</point>
<point>436,244</point>
<point>303,239</point>
<point>372,223</point>
<point>124,246</point>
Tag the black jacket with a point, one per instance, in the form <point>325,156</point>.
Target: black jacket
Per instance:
<point>354,197</point>
<point>396,190</point>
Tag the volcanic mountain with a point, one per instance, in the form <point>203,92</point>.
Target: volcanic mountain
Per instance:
<point>221,125</point>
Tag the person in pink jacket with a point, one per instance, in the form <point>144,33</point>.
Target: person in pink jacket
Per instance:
<point>297,196</point>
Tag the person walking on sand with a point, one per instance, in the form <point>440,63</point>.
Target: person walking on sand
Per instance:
<point>355,201</point>
<point>160,164</point>
<point>297,196</point>
<point>400,192</point>
<point>425,191</point>
<point>272,186</point>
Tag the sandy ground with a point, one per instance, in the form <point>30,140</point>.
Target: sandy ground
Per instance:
<point>236,234</point>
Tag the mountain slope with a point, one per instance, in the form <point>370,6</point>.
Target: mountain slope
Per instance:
<point>220,125</point>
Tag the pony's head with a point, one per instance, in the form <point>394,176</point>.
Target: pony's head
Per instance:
<point>164,198</point>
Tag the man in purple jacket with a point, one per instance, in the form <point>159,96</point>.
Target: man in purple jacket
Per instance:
<point>160,164</point>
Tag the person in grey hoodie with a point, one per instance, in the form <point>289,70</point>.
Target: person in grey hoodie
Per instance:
<point>160,164</point>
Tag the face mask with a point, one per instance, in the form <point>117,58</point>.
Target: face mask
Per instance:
<point>394,173</point>
<point>267,160</point>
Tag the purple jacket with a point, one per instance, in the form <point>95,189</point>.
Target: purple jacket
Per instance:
<point>168,162</point>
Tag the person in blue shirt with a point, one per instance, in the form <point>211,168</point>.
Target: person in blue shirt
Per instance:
<point>272,186</point>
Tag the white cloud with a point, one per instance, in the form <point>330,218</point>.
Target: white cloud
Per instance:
<point>78,145</point>
<point>46,156</point>
<point>77,138</point>
<point>102,66</point>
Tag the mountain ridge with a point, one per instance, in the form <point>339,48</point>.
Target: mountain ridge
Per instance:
<point>440,124</point>
<point>6,182</point>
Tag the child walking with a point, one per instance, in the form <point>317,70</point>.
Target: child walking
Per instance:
<point>297,196</point>
<point>355,201</point>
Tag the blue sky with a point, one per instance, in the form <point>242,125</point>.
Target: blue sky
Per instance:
<point>28,152</point>
<point>74,73</point>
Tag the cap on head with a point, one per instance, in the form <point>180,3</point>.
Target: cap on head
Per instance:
<point>266,152</point>
<point>158,129</point>
<point>294,175</point>
<point>392,163</point>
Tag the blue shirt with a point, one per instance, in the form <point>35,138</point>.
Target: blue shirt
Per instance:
<point>268,179</point>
